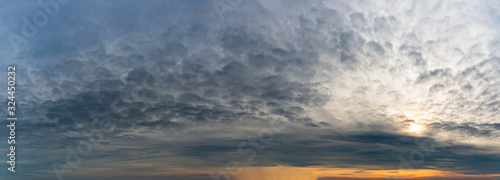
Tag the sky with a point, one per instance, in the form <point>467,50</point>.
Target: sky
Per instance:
<point>253,90</point>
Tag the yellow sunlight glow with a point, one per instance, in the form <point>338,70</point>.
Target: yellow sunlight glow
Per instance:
<point>415,128</point>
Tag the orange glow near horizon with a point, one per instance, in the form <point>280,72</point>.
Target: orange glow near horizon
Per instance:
<point>313,173</point>
<point>281,173</point>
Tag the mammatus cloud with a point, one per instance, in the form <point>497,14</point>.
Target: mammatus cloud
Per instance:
<point>185,83</point>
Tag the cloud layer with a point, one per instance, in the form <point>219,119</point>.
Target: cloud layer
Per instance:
<point>184,83</point>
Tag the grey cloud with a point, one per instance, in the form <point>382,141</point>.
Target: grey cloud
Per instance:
<point>436,73</point>
<point>341,67</point>
<point>470,128</point>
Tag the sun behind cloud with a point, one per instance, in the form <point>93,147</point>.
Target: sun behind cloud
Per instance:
<point>415,128</point>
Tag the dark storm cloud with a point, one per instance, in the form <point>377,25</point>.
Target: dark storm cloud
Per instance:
<point>361,150</point>
<point>468,129</point>
<point>179,67</point>
<point>149,88</point>
<point>176,85</point>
